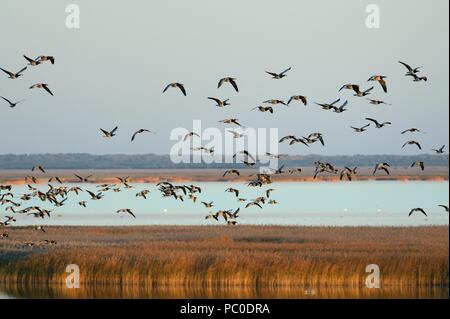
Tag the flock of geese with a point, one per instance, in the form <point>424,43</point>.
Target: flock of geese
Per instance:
<point>57,196</point>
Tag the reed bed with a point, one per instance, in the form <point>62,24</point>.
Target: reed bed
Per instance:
<point>232,257</point>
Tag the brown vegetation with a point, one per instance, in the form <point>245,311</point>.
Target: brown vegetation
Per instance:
<point>244,256</point>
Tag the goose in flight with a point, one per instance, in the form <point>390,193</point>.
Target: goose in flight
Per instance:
<point>378,124</point>
<point>419,210</point>
<point>219,102</point>
<point>231,121</point>
<point>126,210</point>
<point>349,173</point>
<point>55,178</point>
<point>340,109</point>
<point>275,102</point>
<point>32,62</point>
<point>445,207</point>
<point>42,86</point>
<point>82,204</point>
<point>382,167</point>
<point>295,170</point>
<point>377,102</point>
<point>109,134</point>
<point>12,75</point>
<point>301,98</point>
<point>38,168</point>
<point>350,86</point>
<point>246,154</point>
<point>95,196</point>
<point>420,164</point>
<point>410,69</point>
<point>232,190</point>
<point>176,85</point>
<point>380,79</point>
<point>142,130</point>
<point>189,135</point>
<point>412,130</point>
<point>44,58</point>
<point>364,93</point>
<point>229,80</point>
<point>236,135</point>
<point>11,104</point>
<point>417,78</point>
<point>208,205</point>
<point>328,106</point>
<point>269,191</point>
<point>231,172</point>
<point>263,109</point>
<point>440,150</point>
<point>360,129</point>
<point>82,178</point>
<point>412,143</point>
<point>204,149</point>
<point>278,76</point>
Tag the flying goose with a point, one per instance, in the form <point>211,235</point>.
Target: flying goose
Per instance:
<point>378,124</point>
<point>269,191</point>
<point>379,79</point>
<point>246,154</point>
<point>253,204</point>
<point>382,166</point>
<point>189,135</point>
<point>176,85</point>
<point>420,210</point>
<point>140,131</point>
<point>42,86</point>
<point>219,102</point>
<point>328,106</point>
<point>32,62</point>
<point>229,80</point>
<point>356,89</point>
<point>417,78</point>
<point>340,109</point>
<point>231,121</point>
<point>44,58</point>
<point>95,196</point>
<point>38,168</point>
<point>230,172</point>
<point>412,143</point>
<point>263,109</point>
<point>295,170</point>
<point>232,190</point>
<point>445,207</point>
<point>440,150</point>
<point>420,164</point>
<point>56,178</point>
<point>360,129</point>
<point>41,228</point>
<point>82,178</point>
<point>279,76</point>
<point>412,130</point>
<point>204,149</point>
<point>377,102</point>
<point>236,134</point>
<point>82,203</point>
<point>126,210</point>
<point>275,102</point>
<point>350,86</point>
<point>301,98</point>
<point>348,172</point>
<point>410,69</point>
<point>208,205</point>
<point>11,104</point>
<point>12,75</point>
<point>109,134</point>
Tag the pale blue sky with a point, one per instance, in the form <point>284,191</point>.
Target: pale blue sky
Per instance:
<point>113,70</point>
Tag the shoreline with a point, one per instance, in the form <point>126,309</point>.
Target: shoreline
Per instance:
<point>17,177</point>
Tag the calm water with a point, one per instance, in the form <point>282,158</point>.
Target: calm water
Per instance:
<point>373,203</point>
<point>142,292</point>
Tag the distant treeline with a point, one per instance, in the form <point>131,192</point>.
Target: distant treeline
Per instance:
<point>152,161</point>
